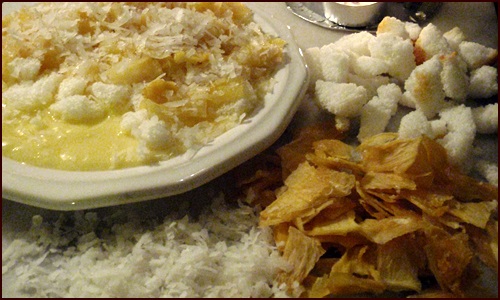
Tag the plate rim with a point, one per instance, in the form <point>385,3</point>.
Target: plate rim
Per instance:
<point>75,190</point>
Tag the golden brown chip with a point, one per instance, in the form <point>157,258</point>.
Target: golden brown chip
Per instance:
<point>304,190</point>
<point>445,220</point>
<point>318,288</point>
<point>433,203</point>
<point>346,284</point>
<point>448,256</point>
<point>414,243</point>
<point>354,273</point>
<point>307,187</point>
<point>294,153</point>
<point>398,208</point>
<point>340,226</point>
<point>485,243</point>
<point>438,159</point>
<point>359,261</point>
<point>387,181</point>
<point>302,252</point>
<point>387,229</point>
<point>475,213</point>
<point>341,183</point>
<point>377,140</point>
<point>465,188</point>
<point>342,241</point>
<point>336,163</point>
<point>400,156</point>
<point>333,148</point>
<point>396,266</point>
<point>338,207</point>
<point>323,266</point>
<point>309,214</point>
<point>280,234</point>
<point>374,207</point>
<point>391,198</point>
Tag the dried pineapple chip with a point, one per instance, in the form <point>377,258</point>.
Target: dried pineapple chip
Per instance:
<point>347,241</point>
<point>280,234</point>
<point>302,252</point>
<point>475,213</point>
<point>485,243</point>
<point>307,187</point>
<point>385,230</point>
<point>400,156</point>
<point>309,214</point>
<point>355,272</point>
<point>344,284</point>
<point>396,266</point>
<point>387,181</point>
<point>294,152</point>
<point>359,261</point>
<point>372,205</point>
<point>438,159</point>
<point>336,155</point>
<point>338,207</point>
<point>333,148</point>
<point>433,203</point>
<point>339,226</point>
<point>318,288</point>
<point>258,187</point>
<point>466,188</point>
<point>448,256</point>
<point>389,198</point>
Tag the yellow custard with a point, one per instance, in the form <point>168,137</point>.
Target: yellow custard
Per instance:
<point>62,145</point>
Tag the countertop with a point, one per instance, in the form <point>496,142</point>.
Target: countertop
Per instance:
<point>477,20</point>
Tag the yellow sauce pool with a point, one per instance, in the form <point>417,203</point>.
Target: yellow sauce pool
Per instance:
<point>61,145</point>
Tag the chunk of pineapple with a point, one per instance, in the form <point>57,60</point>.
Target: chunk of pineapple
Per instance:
<point>159,89</point>
<point>130,71</point>
<point>226,91</point>
<point>240,13</point>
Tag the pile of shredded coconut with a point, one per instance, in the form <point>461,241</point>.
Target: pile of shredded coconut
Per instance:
<point>222,254</point>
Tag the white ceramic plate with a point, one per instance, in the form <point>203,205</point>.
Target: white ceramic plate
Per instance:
<point>68,190</point>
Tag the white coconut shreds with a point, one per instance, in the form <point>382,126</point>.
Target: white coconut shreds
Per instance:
<point>222,254</point>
